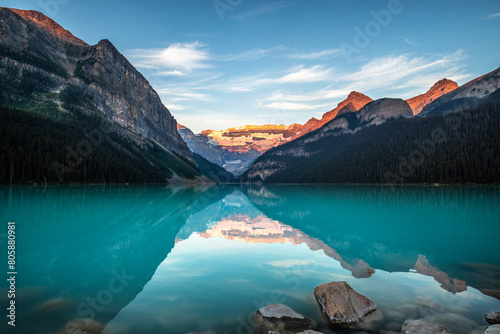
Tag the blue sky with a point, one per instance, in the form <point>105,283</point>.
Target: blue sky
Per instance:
<point>226,63</point>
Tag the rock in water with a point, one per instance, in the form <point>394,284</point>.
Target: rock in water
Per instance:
<point>342,307</point>
<point>84,325</point>
<point>493,329</point>
<point>493,318</point>
<point>282,319</point>
<point>422,327</point>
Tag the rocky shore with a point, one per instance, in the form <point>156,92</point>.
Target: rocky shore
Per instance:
<point>342,308</point>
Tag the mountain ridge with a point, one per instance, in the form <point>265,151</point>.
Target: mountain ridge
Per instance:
<point>100,73</point>
<point>52,74</point>
<point>46,23</point>
<point>472,93</point>
<point>440,88</point>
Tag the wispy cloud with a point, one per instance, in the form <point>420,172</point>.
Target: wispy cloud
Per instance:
<point>409,41</point>
<point>296,75</point>
<point>387,72</point>
<point>491,16</point>
<point>303,74</point>
<point>317,55</point>
<point>398,75</point>
<point>293,106</point>
<point>175,59</point>
<point>265,9</point>
<point>253,54</point>
<point>190,78</point>
<point>177,94</point>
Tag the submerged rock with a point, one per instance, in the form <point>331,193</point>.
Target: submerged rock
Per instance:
<point>282,319</point>
<point>423,327</point>
<point>493,318</point>
<point>82,326</point>
<point>493,329</point>
<point>342,307</point>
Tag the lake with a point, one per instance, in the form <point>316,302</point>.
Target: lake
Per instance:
<point>176,260</point>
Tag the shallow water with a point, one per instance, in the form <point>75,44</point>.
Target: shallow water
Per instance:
<point>165,260</point>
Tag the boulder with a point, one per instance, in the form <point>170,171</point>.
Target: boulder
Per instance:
<point>423,327</point>
<point>282,319</point>
<point>493,318</point>
<point>342,307</point>
<point>493,329</point>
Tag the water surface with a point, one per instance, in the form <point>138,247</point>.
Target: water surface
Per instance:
<point>166,260</point>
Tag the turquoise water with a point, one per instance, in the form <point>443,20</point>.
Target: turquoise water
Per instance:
<point>172,260</point>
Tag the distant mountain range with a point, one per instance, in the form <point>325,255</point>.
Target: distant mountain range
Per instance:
<point>383,143</point>
<point>71,89</point>
<point>235,149</point>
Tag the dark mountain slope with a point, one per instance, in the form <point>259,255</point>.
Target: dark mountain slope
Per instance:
<point>456,148</point>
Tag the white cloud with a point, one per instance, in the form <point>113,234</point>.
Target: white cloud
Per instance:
<point>195,85</point>
<point>172,73</point>
<point>303,74</point>
<point>265,9</point>
<point>176,94</point>
<point>491,16</point>
<point>314,95</point>
<point>317,55</point>
<point>386,72</point>
<point>178,57</point>
<point>174,107</point>
<point>402,76</point>
<point>293,106</point>
<point>253,54</point>
<point>409,41</point>
<point>296,75</point>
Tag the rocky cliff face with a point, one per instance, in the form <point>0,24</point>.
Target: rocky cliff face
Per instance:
<point>233,161</point>
<point>480,90</point>
<point>90,79</point>
<point>258,137</point>
<point>439,89</point>
<point>352,103</point>
<point>379,111</point>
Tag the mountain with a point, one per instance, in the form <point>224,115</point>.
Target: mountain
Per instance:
<point>282,158</point>
<point>352,103</point>
<point>439,89</point>
<point>453,148</point>
<point>234,162</point>
<point>383,143</point>
<point>56,77</point>
<point>236,149</point>
<point>258,137</point>
<point>476,92</point>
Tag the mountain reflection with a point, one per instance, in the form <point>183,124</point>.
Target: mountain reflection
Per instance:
<point>449,284</point>
<point>442,232</point>
<point>265,230</point>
